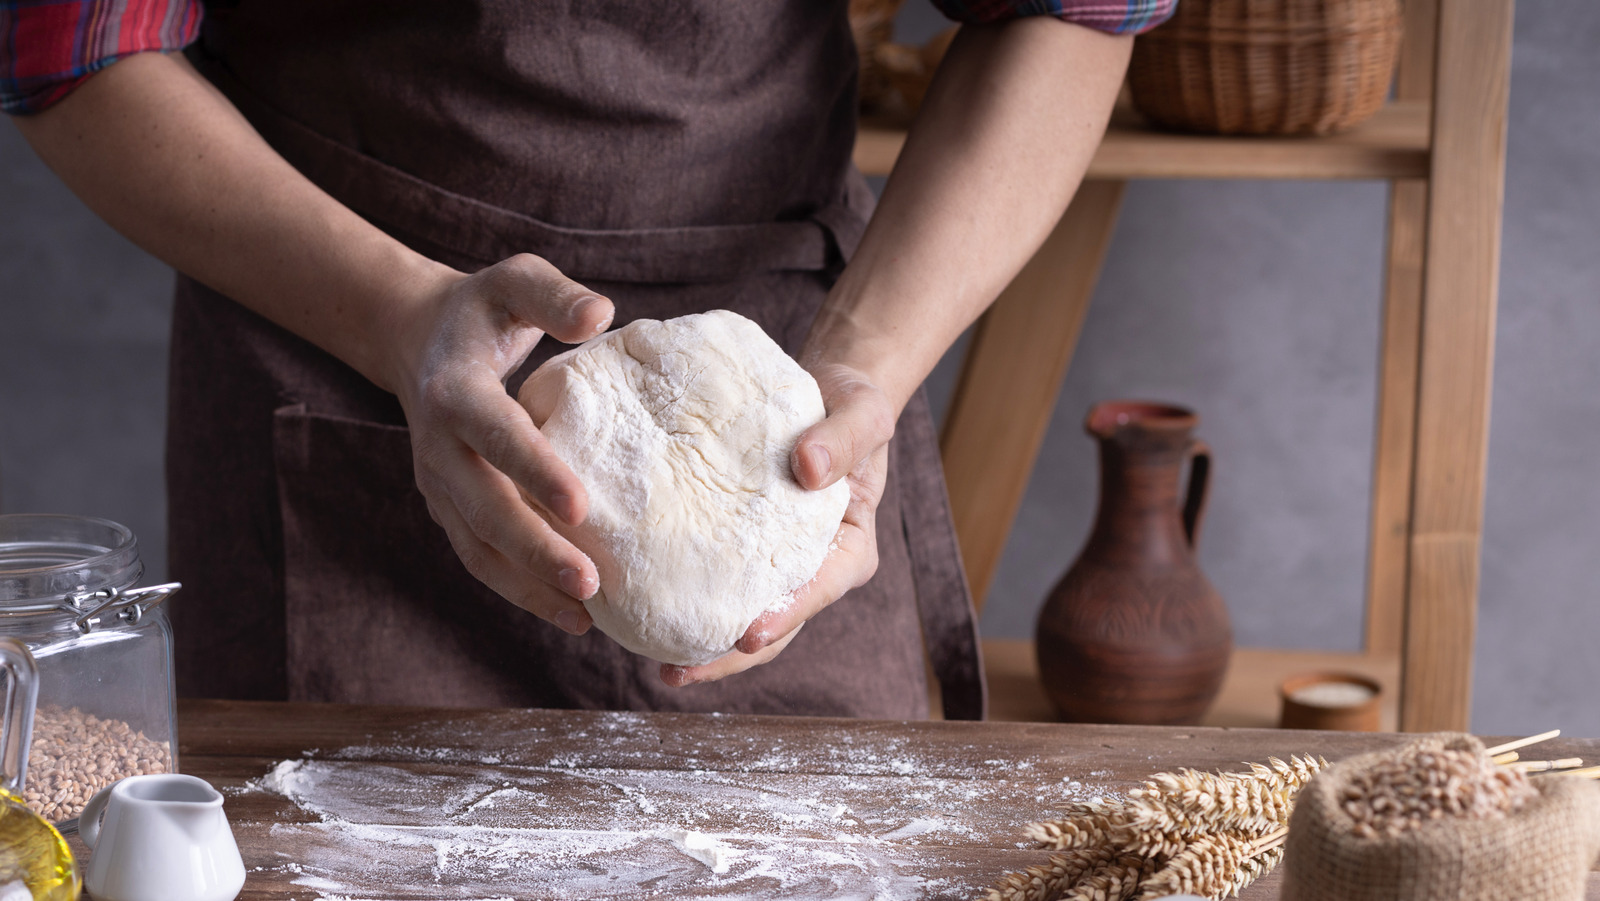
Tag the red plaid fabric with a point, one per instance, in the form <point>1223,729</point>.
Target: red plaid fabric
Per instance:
<point>48,47</point>
<point>1114,16</point>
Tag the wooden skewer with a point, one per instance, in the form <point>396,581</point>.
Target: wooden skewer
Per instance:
<point>1507,757</point>
<point>1523,742</point>
<point>1543,766</point>
<point>1588,772</point>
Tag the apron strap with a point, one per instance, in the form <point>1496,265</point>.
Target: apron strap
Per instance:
<point>949,622</point>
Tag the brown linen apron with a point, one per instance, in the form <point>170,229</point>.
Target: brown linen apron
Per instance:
<point>696,155</point>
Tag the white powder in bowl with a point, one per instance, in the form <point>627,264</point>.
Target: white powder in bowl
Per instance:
<point>1333,694</point>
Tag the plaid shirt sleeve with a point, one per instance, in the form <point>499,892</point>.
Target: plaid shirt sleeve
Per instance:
<point>1114,16</point>
<point>48,47</point>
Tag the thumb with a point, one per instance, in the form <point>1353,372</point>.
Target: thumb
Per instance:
<point>860,420</point>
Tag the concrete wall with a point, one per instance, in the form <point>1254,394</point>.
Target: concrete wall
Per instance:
<point>1255,303</point>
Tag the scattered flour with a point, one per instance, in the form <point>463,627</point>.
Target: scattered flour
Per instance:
<point>476,832</point>
<point>703,848</point>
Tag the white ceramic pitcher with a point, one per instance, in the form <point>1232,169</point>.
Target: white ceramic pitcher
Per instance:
<point>163,838</point>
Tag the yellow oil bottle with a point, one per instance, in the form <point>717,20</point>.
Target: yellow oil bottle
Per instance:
<point>35,862</point>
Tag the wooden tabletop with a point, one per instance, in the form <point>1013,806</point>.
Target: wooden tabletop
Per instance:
<point>341,802</point>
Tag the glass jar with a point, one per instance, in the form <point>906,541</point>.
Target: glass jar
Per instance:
<point>104,651</point>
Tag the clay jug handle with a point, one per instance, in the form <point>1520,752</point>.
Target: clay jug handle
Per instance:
<point>1194,505</point>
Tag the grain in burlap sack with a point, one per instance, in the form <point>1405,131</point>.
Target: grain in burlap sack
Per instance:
<point>1543,850</point>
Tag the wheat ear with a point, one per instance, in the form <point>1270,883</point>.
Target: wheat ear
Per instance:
<point>1256,867</point>
<point>1205,867</point>
<point>1115,881</point>
<point>1190,802</point>
<point>1047,881</point>
<point>1064,835</point>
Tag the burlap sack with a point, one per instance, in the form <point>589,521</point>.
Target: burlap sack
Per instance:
<point>1544,850</point>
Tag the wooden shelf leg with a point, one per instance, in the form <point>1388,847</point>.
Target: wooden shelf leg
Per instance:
<point>1398,360</point>
<point>1012,374</point>
<point>1395,444</point>
<point>1459,286</point>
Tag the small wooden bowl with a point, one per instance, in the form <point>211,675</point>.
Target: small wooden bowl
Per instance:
<point>1344,702</point>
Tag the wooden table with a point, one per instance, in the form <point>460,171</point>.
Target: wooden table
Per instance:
<point>418,803</point>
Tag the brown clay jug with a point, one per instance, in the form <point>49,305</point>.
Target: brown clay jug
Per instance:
<point>1134,633</point>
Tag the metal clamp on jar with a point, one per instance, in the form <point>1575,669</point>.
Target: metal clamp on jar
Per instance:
<point>104,650</point>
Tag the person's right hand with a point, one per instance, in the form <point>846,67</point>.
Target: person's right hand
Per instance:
<point>489,477</point>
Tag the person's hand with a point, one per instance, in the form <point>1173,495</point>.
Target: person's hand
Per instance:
<point>852,443</point>
<point>480,462</point>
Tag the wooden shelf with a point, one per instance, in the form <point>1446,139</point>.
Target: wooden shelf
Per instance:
<point>1249,695</point>
<point>1392,144</point>
<point>1441,146</point>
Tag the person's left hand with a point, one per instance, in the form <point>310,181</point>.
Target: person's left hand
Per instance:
<point>851,443</point>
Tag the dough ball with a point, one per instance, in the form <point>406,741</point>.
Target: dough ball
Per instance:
<point>681,432</point>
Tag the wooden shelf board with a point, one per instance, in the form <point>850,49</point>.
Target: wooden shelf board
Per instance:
<point>1392,144</point>
<point>1249,696</point>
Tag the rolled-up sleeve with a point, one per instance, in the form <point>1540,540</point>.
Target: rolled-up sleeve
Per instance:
<point>1113,16</point>
<point>48,47</point>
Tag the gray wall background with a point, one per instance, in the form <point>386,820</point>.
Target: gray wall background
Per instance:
<point>1255,303</point>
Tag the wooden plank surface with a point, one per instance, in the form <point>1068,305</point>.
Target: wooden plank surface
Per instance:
<point>338,802</point>
<point>1392,144</point>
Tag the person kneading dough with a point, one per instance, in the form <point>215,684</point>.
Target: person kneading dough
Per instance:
<point>379,231</point>
<point>681,431</point>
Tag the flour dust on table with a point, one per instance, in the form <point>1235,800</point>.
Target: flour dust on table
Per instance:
<point>367,829</point>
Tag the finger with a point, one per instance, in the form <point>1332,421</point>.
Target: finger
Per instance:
<point>476,500</point>
<point>492,569</point>
<point>851,562</point>
<point>722,667</point>
<point>534,291</point>
<point>860,420</point>
<point>500,430</point>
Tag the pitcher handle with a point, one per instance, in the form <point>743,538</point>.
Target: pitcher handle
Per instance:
<point>89,817</point>
<point>22,693</point>
<point>1194,505</point>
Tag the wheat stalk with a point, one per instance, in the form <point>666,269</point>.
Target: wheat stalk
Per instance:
<point>1049,880</point>
<point>1114,881</point>
<point>1256,867</point>
<point>1190,802</point>
<point>1207,866</point>
<point>1206,833</point>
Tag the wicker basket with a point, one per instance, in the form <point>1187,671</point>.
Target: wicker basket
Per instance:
<point>1267,66</point>
<point>872,25</point>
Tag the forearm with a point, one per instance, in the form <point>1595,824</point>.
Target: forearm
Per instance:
<point>163,157</point>
<point>1002,142</point>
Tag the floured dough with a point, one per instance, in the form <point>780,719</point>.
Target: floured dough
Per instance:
<point>681,432</point>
